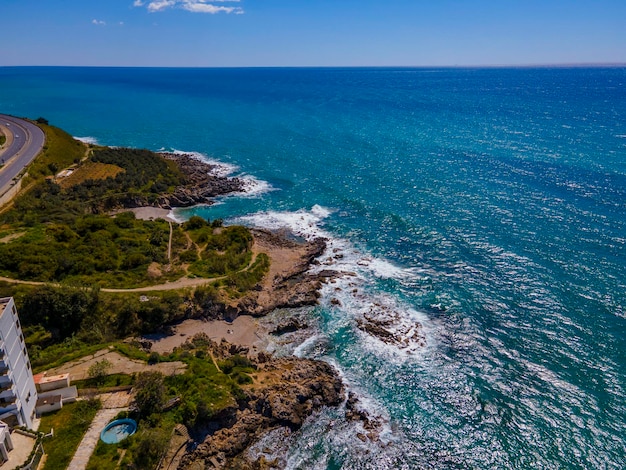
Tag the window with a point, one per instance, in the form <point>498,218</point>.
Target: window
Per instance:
<point>28,397</point>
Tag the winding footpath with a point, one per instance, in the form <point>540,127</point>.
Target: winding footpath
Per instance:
<point>112,405</point>
<point>24,141</point>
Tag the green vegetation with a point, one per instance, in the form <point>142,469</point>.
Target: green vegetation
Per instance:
<point>108,381</point>
<point>98,371</point>
<point>141,451</point>
<point>149,393</point>
<point>205,389</point>
<point>60,151</point>
<point>61,234</point>
<point>70,424</point>
<point>67,235</point>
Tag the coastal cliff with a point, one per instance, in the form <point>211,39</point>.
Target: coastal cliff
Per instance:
<point>201,182</point>
<point>283,393</point>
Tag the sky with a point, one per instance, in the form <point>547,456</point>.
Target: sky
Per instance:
<point>251,33</point>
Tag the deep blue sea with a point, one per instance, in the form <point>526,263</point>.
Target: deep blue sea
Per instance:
<point>481,212</point>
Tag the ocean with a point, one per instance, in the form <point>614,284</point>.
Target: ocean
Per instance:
<point>479,215</point>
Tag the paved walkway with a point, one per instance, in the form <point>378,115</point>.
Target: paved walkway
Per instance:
<point>112,404</point>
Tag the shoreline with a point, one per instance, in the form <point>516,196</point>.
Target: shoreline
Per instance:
<point>149,213</point>
<point>244,331</point>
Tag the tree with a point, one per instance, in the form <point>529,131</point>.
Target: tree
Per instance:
<point>149,448</point>
<point>149,393</point>
<point>99,370</point>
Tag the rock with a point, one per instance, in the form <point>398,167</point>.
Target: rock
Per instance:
<point>294,388</point>
<point>354,413</point>
<point>291,288</point>
<point>201,183</point>
<point>288,325</point>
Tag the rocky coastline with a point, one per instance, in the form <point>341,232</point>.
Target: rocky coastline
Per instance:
<point>285,391</point>
<point>201,182</point>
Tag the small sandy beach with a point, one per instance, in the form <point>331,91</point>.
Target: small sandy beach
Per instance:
<point>243,331</point>
<point>151,213</point>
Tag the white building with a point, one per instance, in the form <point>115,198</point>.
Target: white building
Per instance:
<point>18,395</point>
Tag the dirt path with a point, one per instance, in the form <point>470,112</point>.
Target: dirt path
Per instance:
<point>11,237</point>
<point>169,243</point>
<point>92,436</point>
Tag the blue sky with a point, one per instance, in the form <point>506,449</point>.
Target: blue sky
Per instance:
<point>205,33</point>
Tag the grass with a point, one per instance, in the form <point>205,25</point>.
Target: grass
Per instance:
<point>70,424</point>
<point>59,151</point>
<point>90,171</point>
<point>58,354</point>
<point>110,381</point>
<point>106,456</point>
<point>141,450</point>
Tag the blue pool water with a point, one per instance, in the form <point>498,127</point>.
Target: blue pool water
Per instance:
<point>486,205</point>
<point>118,430</point>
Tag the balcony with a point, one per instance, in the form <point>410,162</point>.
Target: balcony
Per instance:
<point>5,384</point>
<point>7,400</point>
<point>7,408</point>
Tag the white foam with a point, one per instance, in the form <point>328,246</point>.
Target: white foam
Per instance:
<point>302,222</point>
<point>219,168</point>
<point>252,186</point>
<point>87,140</point>
<point>410,332</point>
<point>353,293</point>
<point>172,215</point>
<point>302,349</point>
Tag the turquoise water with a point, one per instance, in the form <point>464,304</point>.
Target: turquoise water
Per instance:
<point>487,205</point>
<point>118,430</point>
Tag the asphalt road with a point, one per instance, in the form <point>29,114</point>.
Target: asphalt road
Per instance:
<point>22,146</point>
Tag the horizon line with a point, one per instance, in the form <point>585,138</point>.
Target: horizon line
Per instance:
<point>484,66</point>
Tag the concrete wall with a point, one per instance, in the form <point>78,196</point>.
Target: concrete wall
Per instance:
<point>44,408</point>
<point>11,193</point>
<point>68,394</point>
<point>53,383</point>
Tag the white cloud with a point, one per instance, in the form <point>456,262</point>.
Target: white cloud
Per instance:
<point>98,22</point>
<point>161,5</point>
<point>194,6</point>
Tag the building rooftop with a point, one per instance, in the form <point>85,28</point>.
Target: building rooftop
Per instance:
<point>50,400</point>
<point>43,378</point>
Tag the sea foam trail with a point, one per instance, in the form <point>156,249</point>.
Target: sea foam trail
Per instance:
<point>384,323</point>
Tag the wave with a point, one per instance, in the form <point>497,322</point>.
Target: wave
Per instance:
<point>253,187</point>
<point>87,140</point>
<point>219,168</point>
<point>303,223</point>
<point>383,322</point>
